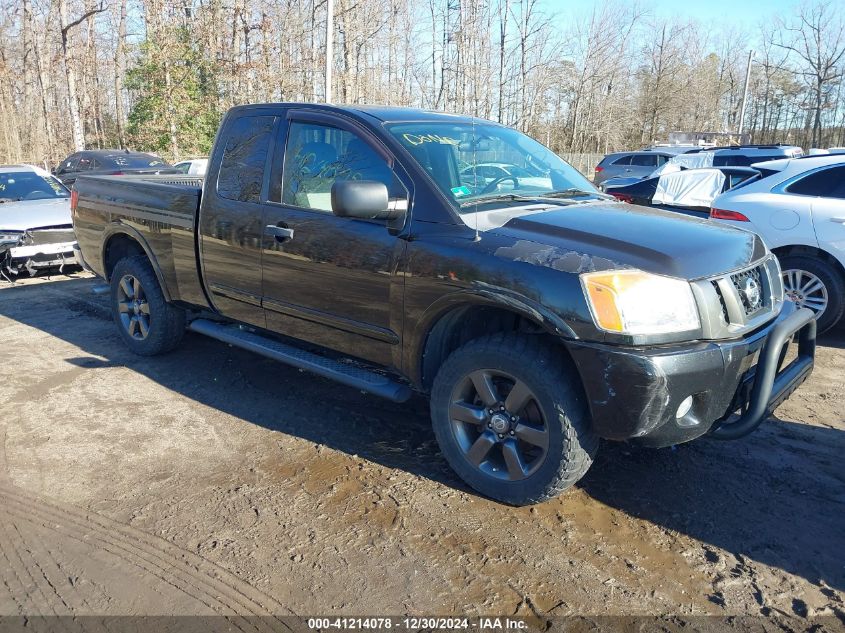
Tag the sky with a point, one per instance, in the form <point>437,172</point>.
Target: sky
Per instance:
<point>746,14</point>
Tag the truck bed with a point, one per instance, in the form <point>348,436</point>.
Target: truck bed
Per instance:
<point>160,209</point>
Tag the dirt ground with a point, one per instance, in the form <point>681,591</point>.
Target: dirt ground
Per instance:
<point>214,481</point>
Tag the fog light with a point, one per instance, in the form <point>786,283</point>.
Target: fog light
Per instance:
<point>684,407</point>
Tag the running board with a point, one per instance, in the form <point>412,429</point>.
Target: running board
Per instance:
<point>343,373</point>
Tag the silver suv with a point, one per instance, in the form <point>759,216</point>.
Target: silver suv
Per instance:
<point>630,164</point>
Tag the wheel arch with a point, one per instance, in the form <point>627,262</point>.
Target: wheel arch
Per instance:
<point>124,241</point>
<point>458,318</point>
<point>810,251</point>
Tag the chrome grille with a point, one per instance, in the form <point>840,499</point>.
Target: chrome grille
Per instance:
<point>736,302</point>
<point>750,289</point>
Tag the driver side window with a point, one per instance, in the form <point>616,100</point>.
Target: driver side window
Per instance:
<point>317,156</point>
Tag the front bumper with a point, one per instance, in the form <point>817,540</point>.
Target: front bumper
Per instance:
<point>36,257</point>
<point>634,393</point>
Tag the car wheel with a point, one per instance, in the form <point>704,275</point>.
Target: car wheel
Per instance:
<point>815,284</point>
<point>510,418</point>
<point>146,322</point>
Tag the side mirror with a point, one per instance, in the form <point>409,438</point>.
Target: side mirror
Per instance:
<point>364,199</point>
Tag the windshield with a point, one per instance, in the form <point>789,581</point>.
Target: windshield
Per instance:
<point>486,162</point>
<point>29,185</point>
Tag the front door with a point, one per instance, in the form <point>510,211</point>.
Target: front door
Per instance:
<point>331,280</point>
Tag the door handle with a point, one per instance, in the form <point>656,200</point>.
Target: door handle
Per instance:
<point>281,233</point>
<point>839,220</point>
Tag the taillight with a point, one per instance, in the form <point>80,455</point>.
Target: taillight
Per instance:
<point>74,199</point>
<point>624,197</point>
<point>724,214</point>
<point>599,168</point>
<point>117,173</point>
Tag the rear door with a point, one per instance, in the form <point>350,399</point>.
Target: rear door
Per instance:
<point>620,166</point>
<point>642,165</point>
<point>331,280</point>
<point>230,228</point>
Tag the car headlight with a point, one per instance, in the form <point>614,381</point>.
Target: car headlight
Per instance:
<point>636,302</point>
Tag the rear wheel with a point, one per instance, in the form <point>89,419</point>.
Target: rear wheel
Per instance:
<point>146,322</point>
<point>509,417</point>
<point>814,284</point>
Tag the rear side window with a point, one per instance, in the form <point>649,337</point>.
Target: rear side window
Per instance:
<point>244,157</point>
<point>644,160</point>
<point>135,161</point>
<point>623,160</point>
<point>829,183</point>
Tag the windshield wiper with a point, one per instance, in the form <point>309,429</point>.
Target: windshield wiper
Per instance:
<point>2,200</point>
<point>497,198</point>
<point>574,192</point>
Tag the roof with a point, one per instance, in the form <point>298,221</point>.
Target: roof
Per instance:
<point>15,169</point>
<point>113,152</point>
<point>802,163</point>
<point>383,113</point>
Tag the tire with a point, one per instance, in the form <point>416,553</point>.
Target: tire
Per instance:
<point>482,451</point>
<point>801,270</point>
<point>146,322</point>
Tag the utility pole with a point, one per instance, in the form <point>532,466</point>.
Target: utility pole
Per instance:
<point>744,94</point>
<point>329,48</point>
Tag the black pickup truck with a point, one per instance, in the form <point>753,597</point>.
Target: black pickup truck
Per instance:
<point>397,250</point>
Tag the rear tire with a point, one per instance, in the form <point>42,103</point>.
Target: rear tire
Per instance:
<point>148,324</point>
<point>524,435</point>
<point>802,274</point>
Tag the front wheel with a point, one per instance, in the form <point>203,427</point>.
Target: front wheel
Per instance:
<point>146,322</point>
<point>509,417</point>
<point>815,284</point>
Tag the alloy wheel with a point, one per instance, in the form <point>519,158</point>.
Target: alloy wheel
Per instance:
<point>805,290</point>
<point>133,307</point>
<point>498,424</point>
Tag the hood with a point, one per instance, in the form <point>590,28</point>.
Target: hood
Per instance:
<point>33,214</point>
<point>607,235</point>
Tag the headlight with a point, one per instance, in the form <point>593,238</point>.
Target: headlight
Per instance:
<point>635,302</point>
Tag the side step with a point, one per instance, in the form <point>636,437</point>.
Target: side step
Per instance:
<point>343,373</point>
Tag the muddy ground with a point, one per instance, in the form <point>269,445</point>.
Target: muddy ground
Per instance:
<point>211,480</point>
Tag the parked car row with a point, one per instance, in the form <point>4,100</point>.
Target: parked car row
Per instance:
<point>35,224</point>
<point>641,164</point>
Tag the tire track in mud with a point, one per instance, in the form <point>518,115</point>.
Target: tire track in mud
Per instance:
<point>199,579</point>
<point>29,569</point>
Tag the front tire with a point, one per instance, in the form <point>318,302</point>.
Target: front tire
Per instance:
<point>815,284</point>
<point>148,324</point>
<point>510,418</point>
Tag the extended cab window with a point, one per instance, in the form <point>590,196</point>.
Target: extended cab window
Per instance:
<point>244,157</point>
<point>829,183</point>
<point>644,160</point>
<point>316,156</point>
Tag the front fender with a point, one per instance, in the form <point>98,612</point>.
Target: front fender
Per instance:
<point>482,295</point>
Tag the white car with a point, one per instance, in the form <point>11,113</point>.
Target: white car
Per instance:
<point>35,224</point>
<point>193,167</point>
<point>798,208</point>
